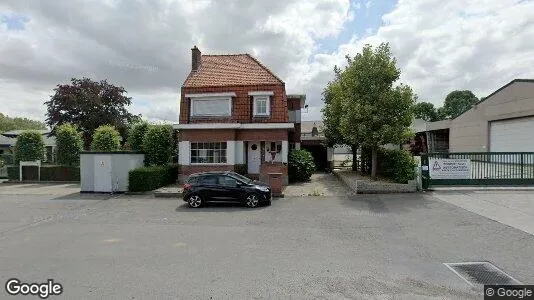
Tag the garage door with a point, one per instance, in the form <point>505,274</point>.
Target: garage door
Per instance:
<point>513,135</point>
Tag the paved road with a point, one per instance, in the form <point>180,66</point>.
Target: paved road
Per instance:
<point>361,247</point>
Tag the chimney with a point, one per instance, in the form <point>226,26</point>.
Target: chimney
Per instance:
<point>195,58</point>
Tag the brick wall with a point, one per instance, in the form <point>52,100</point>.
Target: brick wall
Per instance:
<point>267,168</point>
<point>262,135</point>
<point>241,104</point>
<point>208,135</point>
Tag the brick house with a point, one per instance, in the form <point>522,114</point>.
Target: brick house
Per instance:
<point>235,115</point>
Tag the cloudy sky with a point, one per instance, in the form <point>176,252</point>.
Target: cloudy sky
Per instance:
<point>145,45</point>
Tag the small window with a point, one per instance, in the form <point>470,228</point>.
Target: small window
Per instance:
<point>261,106</point>
<point>227,181</point>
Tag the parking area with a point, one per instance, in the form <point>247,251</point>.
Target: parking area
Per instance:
<point>338,247</point>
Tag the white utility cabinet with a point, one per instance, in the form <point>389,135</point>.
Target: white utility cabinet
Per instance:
<point>107,172</point>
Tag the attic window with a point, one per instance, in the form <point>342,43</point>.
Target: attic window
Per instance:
<point>261,106</point>
<point>211,107</point>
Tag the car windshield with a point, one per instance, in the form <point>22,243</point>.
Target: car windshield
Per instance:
<point>241,177</point>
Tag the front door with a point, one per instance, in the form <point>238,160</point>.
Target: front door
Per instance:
<point>254,157</point>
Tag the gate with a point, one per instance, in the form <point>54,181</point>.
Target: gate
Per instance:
<point>477,168</point>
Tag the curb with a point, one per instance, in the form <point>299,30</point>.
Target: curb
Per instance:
<point>167,195</point>
<point>355,190</point>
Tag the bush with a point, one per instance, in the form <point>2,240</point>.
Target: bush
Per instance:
<point>157,145</point>
<point>106,138</point>
<point>150,178</point>
<point>241,169</point>
<point>48,173</point>
<point>69,144</point>
<point>300,165</point>
<point>29,146</point>
<point>396,165</point>
<point>136,135</point>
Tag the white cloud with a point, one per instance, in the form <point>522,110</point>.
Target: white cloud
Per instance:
<point>145,45</point>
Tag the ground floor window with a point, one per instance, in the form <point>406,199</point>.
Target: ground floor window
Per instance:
<point>208,153</point>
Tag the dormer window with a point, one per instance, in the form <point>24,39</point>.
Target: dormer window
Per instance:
<point>211,104</point>
<point>262,103</point>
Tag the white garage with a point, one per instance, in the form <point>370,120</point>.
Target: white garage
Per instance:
<point>512,135</point>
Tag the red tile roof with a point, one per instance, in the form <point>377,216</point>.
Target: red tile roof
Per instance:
<point>226,70</point>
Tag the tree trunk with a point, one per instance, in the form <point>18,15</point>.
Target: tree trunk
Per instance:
<point>374,160</point>
<point>354,149</point>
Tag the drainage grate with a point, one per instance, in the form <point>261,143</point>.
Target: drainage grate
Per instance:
<point>481,273</point>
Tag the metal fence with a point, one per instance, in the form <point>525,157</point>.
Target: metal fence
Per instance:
<point>488,168</point>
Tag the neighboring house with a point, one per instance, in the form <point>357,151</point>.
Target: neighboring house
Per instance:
<point>502,122</point>
<point>234,115</point>
<point>9,138</point>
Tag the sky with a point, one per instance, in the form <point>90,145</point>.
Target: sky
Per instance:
<point>145,46</point>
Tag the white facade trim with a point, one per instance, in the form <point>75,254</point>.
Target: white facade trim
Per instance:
<point>184,152</point>
<point>261,93</point>
<point>234,126</point>
<point>285,151</point>
<point>297,146</point>
<point>230,152</point>
<point>239,152</point>
<point>207,95</point>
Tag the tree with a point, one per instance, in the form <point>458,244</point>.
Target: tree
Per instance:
<point>136,134</point>
<point>69,144</point>
<point>29,146</point>
<point>7,123</point>
<point>106,138</point>
<point>158,144</point>
<point>458,102</point>
<point>425,111</point>
<point>374,111</point>
<point>332,111</point>
<point>89,104</point>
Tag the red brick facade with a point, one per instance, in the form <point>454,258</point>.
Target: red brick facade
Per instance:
<point>241,104</point>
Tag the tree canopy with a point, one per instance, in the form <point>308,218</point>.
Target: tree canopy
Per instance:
<point>425,111</point>
<point>90,104</point>
<point>8,123</point>
<point>458,102</point>
<point>365,106</point>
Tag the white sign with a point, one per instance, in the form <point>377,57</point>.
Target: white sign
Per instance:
<point>441,168</point>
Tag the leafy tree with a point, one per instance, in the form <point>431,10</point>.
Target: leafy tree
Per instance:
<point>158,144</point>
<point>332,112</point>
<point>7,123</point>
<point>136,135</point>
<point>374,111</point>
<point>425,111</point>
<point>106,138</point>
<point>458,102</point>
<point>29,146</point>
<point>89,104</point>
<point>69,144</point>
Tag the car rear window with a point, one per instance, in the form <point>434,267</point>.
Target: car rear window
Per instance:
<point>192,179</point>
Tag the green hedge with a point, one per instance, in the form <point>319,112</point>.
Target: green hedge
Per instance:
<point>150,178</point>
<point>48,173</point>
<point>396,165</point>
<point>300,165</point>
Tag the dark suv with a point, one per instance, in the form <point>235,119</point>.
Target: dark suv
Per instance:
<point>201,188</point>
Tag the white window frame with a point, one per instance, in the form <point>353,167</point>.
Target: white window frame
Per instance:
<point>216,114</point>
<point>193,148</point>
<point>268,102</point>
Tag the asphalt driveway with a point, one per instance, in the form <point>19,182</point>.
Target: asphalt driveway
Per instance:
<point>343,247</point>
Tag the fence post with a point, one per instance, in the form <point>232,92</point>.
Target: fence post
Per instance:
<point>425,174</point>
<point>521,165</point>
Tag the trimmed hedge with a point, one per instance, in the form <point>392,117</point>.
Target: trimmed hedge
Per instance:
<point>69,144</point>
<point>396,165</point>
<point>300,165</point>
<point>136,135</point>
<point>150,178</point>
<point>29,147</point>
<point>48,173</point>
<point>106,138</point>
<point>158,144</point>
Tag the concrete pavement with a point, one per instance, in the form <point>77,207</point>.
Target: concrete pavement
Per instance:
<point>360,247</point>
<point>513,208</point>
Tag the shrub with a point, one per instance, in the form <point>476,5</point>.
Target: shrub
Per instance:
<point>397,165</point>
<point>48,173</point>
<point>300,165</point>
<point>29,146</point>
<point>150,178</point>
<point>136,135</point>
<point>157,145</point>
<point>106,138</point>
<point>69,144</point>
<point>241,169</point>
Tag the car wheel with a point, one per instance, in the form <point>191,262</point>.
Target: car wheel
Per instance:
<point>195,201</point>
<point>252,200</point>
<point>268,203</point>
